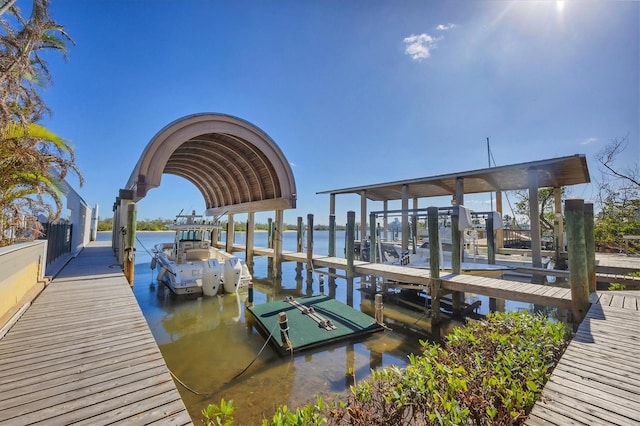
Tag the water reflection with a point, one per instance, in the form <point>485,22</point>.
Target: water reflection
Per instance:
<point>208,341</point>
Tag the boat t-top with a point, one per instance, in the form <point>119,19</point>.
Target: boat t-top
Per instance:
<point>191,265</point>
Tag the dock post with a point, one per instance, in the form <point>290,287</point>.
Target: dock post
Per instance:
<point>379,309</point>
<point>284,330</point>
<point>309,250</point>
<point>434,263</point>
<point>491,240</point>
<point>130,249</point>
<point>578,276</point>
<point>332,235</point>
<point>250,294</point>
<point>270,242</point>
<point>249,243</point>
<point>332,249</point>
<point>349,243</point>
<point>373,251</point>
<point>299,245</point>
<point>590,245</point>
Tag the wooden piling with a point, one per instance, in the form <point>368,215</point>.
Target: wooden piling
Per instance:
<point>379,313</point>
<point>373,239</point>
<point>299,244</point>
<point>491,240</point>
<point>349,242</point>
<point>578,272</point>
<point>309,241</point>
<point>434,263</point>
<point>332,235</point>
<point>130,248</point>
<point>590,245</point>
<point>455,241</point>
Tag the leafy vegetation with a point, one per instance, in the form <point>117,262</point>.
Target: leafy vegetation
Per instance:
<point>33,159</point>
<point>618,198</point>
<point>490,372</point>
<point>219,415</point>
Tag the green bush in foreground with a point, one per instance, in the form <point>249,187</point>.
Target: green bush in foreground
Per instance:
<point>489,372</point>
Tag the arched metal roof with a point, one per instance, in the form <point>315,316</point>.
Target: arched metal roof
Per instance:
<point>236,166</point>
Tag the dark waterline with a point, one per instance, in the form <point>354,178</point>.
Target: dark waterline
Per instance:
<point>206,341</point>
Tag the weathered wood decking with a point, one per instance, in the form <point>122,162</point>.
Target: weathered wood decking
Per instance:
<point>83,354</point>
<point>597,381</point>
<point>492,287</point>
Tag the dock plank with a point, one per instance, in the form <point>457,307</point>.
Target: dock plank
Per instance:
<point>596,380</point>
<point>84,353</point>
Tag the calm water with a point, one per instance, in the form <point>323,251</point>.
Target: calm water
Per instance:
<point>206,341</point>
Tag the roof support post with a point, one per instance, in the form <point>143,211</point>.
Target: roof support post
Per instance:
<point>534,215</point>
<point>457,297</point>
<point>405,218</point>
<point>349,243</point>
<point>499,238</point>
<point>332,225</point>
<point>363,220</point>
<point>385,219</point>
<point>231,233</point>
<point>414,225</point>
<point>557,199</point>
<point>434,263</point>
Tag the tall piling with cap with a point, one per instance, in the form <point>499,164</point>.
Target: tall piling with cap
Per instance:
<point>130,245</point>
<point>578,271</point>
<point>349,243</point>
<point>590,245</point>
<point>299,244</point>
<point>434,263</point>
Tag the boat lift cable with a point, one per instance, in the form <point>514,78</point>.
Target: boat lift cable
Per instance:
<point>266,341</point>
<point>143,247</point>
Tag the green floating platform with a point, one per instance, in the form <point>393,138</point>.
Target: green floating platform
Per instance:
<point>325,321</point>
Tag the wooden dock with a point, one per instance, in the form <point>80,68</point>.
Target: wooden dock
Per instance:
<point>83,354</point>
<point>597,381</point>
<point>496,288</point>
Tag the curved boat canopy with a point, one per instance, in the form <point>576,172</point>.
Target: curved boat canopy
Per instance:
<point>236,166</point>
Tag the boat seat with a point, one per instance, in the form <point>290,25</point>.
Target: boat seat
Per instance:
<point>197,254</point>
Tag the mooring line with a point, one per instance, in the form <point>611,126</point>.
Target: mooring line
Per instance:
<point>254,359</point>
<point>182,383</point>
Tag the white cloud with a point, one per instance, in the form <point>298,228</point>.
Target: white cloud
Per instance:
<point>589,141</point>
<point>419,46</point>
<point>445,27</point>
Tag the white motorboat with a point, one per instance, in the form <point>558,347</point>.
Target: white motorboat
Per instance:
<point>190,265</point>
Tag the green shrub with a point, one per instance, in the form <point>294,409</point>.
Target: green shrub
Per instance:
<point>219,415</point>
<point>489,372</point>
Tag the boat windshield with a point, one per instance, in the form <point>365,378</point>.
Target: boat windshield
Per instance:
<point>194,235</point>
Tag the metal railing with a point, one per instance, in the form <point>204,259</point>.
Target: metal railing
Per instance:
<point>58,236</point>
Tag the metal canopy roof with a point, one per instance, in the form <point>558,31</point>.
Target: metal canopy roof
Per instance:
<point>554,172</point>
<point>236,166</point>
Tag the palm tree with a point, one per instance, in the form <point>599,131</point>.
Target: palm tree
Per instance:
<point>33,160</point>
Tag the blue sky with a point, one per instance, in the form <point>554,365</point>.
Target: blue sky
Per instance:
<point>353,92</point>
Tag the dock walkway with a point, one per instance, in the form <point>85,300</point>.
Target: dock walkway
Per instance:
<point>420,278</point>
<point>83,354</point>
<point>597,381</point>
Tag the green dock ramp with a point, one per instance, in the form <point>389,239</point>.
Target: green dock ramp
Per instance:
<point>312,321</point>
